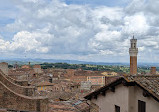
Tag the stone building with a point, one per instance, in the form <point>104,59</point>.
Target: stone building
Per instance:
<point>153,70</point>
<point>37,69</point>
<point>96,79</point>
<point>4,67</point>
<point>43,86</point>
<point>128,94</point>
<point>25,67</point>
<point>15,96</point>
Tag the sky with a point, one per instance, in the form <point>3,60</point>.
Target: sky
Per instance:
<point>86,30</point>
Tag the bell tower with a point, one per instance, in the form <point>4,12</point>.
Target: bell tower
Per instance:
<point>133,51</point>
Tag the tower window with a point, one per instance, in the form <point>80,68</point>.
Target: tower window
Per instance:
<point>131,45</point>
<point>134,45</point>
<point>141,106</point>
<point>117,108</point>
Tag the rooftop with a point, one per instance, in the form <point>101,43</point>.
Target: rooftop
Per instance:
<point>45,83</point>
<point>149,83</point>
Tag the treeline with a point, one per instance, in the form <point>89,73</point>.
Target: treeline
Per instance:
<point>81,66</point>
<point>114,68</point>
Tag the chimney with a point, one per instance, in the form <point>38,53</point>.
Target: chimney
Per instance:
<point>153,70</point>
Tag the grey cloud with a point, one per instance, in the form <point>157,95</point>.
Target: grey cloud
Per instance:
<point>55,28</point>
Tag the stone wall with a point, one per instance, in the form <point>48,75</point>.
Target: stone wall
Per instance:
<point>4,67</point>
<point>25,90</point>
<point>19,82</point>
<point>3,110</point>
<point>11,100</point>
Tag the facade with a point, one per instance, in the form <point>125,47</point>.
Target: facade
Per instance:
<point>153,70</point>
<point>43,86</point>
<point>85,85</point>
<point>96,80</point>
<point>133,51</point>
<point>25,67</point>
<point>128,94</point>
<point>95,77</point>
<point>14,96</point>
<point>4,67</point>
<point>37,69</point>
<point>78,79</point>
<point>20,74</point>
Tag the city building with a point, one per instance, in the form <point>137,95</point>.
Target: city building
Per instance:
<point>15,97</point>
<point>25,67</point>
<point>96,79</point>
<point>43,86</point>
<point>37,68</point>
<point>129,93</point>
<point>4,67</point>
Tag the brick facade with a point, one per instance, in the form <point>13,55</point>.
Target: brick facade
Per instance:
<point>133,64</point>
<point>11,100</point>
<point>13,96</point>
<point>153,70</point>
<point>28,91</point>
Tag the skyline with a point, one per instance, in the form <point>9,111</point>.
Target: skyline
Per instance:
<point>79,29</point>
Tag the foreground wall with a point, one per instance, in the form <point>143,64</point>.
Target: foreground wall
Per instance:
<point>25,90</point>
<point>126,97</point>
<point>11,100</point>
<point>135,94</point>
<point>119,97</point>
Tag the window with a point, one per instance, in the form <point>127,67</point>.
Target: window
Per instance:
<point>117,108</point>
<point>141,106</point>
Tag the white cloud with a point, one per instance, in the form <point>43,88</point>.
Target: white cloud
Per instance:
<point>136,23</point>
<point>56,28</point>
<point>3,45</point>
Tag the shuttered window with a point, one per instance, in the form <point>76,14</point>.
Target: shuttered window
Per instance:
<point>117,108</point>
<point>141,106</point>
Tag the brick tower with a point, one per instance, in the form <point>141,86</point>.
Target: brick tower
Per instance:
<point>133,51</point>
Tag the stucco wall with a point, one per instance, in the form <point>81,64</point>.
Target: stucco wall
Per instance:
<point>136,93</point>
<point>119,97</point>
<point>127,98</point>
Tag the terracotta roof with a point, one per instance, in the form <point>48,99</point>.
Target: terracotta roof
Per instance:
<point>25,66</point>
<point>4,63</point>
<point>45,83</point>
<point>69,106</point>
<point>87,73</point>
<point>149,83</point>
<point>37,66</point>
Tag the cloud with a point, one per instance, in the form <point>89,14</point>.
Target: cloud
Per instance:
<point>3,45</point>
<point>136,23</point>
<point>29,42</point>
<point>53,28</point>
